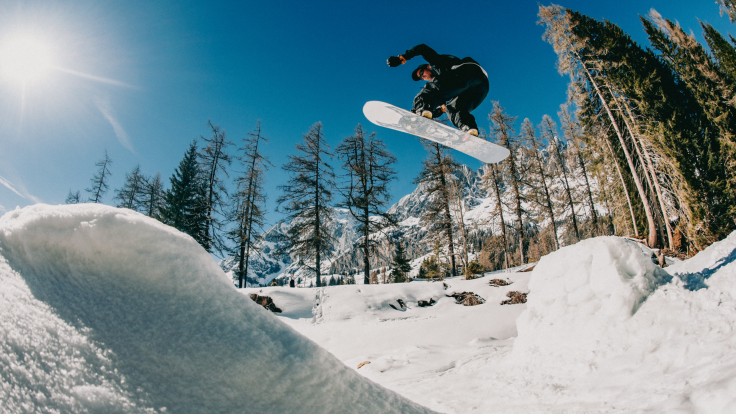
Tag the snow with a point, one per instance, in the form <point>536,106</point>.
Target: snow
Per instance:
<point>583,297</point>
<point>103,310</point>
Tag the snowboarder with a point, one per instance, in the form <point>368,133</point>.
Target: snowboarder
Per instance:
<point>456,86</point>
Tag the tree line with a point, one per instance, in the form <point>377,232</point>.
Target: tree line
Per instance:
<point>661,118</point>
<point>644,147</point>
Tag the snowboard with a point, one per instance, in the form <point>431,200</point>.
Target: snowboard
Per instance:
<point>387,115</point>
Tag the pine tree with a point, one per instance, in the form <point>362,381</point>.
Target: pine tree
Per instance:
<point>548,130</point>
<point>654,122</point>
<point>573,135</point>
<point>132,193</point>
<point>436,177</point>
<point>72,197</point>
<point>153,198</point>
<point>672,126</point>
<point>214,161</point>
<point>613,187</point>
<point>709,157</point>
<point>306,200</point>
<point>630,81</point>
<point>249,200</point>
<point>368,169</point>
<point>99,183</point>
<point>728,7</point>
<point>494,183</point>
<point>539,178</point>
<point>401,266</point>
<point>503,131</point>
<point>185,205</point>
<point>723,51</point>
<point>458,210</point>
<point>570,35</point>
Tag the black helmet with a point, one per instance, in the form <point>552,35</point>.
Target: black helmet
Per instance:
<point>414,75</point>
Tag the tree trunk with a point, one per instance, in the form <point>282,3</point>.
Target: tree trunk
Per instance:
<point>545,188</point>
<point>567,189</point>
<point>647,160</point>
<point>635,227</point>
<point>499,205</point>
<point>652,238</point>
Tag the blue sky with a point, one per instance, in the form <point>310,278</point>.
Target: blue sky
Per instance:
<point>141,79</point>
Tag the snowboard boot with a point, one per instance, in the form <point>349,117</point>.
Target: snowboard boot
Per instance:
<point>467,129</point>
<point>426,114</point>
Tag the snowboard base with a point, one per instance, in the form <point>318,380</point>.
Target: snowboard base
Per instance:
<point>392,117</point>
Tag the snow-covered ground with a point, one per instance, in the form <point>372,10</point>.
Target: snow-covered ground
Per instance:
<point>104,310</point>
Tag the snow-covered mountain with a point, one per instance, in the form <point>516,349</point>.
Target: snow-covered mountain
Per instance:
<point>273,264</point>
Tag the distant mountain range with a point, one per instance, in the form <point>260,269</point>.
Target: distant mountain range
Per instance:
<point>274,264</point>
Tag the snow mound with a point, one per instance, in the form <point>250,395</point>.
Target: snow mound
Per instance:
<point>581,293</point>
<point>104,310</point>
<point>603,320</point>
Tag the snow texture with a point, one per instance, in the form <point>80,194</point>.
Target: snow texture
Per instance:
<point>604,330</point>
<point>104,310</point>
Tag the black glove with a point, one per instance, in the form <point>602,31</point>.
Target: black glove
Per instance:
<point>394,61</point>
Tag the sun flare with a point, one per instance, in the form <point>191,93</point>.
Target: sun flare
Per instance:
<point>25,59</point>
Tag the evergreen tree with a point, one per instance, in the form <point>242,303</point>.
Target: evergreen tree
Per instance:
<point>723,51</point>
<point>539,177</point>
<point>503,131</point>
<point>728,7</point>
<point>214,161</point>
<point>306,200</point>
<point>716,95</point>
<point>670,128</point>
<point>133,191</point>
<point>368,169</point>
<point>153,198</point>
<point>249,201</point>
<point>99,183</point>
<point>494,183</point>
<point>436,177</point>
<point>458,211</point>
<point>401,265</point>
<point>572,36</point>
<point>573,134</point>
<point>185,206</point>
<point>72,197</point>
<point>559,149</point>
<point>611,192</point>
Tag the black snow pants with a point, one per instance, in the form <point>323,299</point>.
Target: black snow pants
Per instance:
<point>462,91</point>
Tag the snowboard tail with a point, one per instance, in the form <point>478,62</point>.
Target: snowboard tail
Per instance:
<point>392,117</point>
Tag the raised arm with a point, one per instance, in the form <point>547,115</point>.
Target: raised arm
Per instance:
<point>425,51</point>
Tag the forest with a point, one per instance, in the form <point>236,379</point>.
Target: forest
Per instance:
<point>644,147</point>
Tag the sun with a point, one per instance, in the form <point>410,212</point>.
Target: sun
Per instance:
<point>25,59</point>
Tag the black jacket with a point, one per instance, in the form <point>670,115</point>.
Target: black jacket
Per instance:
<point>452,76</point>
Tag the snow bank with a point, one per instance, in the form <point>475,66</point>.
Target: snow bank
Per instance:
<point>580,293</point>
<point>104,310</point>
<point>610,326</point>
